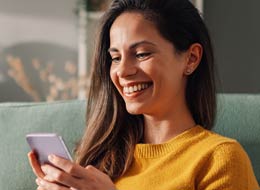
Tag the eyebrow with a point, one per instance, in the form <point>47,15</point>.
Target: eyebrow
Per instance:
<point>134,45</point>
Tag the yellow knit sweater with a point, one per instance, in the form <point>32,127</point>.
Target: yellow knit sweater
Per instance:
<point>196,159</point>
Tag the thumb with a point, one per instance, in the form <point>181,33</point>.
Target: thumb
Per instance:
<point>90,167</point>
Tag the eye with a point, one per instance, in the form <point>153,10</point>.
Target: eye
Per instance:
<point>143,55</point>
<point>115,59</point>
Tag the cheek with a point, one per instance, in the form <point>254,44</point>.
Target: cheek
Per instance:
<point>113,76</point>
<point>149,68</point>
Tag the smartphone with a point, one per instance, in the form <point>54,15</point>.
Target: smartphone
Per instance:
<point>44,144</point>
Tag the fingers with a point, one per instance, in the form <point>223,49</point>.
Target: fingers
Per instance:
<point>62,174</point>
<point>43,184</point>
<point>67,166</point>
<point>35,165</point>
<point>58,176</point>
<point>40,188</point>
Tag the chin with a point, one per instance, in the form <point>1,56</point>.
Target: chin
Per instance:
<point>134,110</point>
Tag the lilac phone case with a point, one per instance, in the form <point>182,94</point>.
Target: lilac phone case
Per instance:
<point>45,144</point>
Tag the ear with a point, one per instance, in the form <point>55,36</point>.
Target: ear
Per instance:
<point>194,55</point>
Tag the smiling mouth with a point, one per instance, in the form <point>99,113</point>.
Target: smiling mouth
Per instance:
<point>136,88</point>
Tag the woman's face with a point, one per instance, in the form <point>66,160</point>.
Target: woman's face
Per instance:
<point>146,69</point>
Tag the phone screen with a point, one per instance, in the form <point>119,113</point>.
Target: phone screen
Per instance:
<point>44,144</point>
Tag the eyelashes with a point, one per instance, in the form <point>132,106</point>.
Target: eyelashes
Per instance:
<point>143,55</point>
<point>139,56</point>
<point>115,59</point>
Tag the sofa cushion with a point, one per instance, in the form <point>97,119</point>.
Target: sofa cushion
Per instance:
<point>66,118</point>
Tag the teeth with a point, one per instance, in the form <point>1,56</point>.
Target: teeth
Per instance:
<point>131,89</point>
<point>135,88</point>
<point>139,87</point>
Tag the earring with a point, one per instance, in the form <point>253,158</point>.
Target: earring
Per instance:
<point>188,71</point>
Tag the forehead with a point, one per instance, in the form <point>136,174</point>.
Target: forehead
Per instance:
<point>132,26</point>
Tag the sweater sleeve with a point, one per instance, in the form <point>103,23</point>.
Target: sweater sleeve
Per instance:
<point>227,168</point>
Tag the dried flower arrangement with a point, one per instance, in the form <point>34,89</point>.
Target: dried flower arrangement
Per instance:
<point>76,86</point>
<point>58,88</point>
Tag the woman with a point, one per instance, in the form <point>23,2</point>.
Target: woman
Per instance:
<point>151,103</point>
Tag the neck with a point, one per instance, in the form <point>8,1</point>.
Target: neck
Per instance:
<point>163,128</point>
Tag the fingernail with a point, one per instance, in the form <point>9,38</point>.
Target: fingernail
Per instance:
<point>41,182</point>
<point>51,157</point>
<point>47,178</point>
<point>43,168</point>
<point>37,181</point>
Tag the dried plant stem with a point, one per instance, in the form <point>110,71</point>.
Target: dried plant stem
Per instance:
<point>17,72</point>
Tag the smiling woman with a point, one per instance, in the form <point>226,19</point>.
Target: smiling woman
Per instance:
<point>141,56</point>
<point>150,107</point>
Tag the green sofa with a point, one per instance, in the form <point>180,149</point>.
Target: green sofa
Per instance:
<point>238,117</point>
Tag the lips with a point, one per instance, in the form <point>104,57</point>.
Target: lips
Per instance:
<point>136,88</point>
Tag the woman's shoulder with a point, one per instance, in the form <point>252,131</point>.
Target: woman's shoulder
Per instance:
<point>208,143</point>
<point>211,143</point>
<point>215,140</point>
<point>225,158</point>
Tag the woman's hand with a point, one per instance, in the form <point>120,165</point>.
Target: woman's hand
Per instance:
<point>65,175</point>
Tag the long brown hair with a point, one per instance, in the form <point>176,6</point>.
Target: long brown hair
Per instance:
<point>112,133</point>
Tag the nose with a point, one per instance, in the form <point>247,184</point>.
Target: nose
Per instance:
<point>126,68</point>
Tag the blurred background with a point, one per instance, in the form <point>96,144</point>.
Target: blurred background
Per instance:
<point>234,27</point>
<point>46,46</point>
